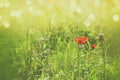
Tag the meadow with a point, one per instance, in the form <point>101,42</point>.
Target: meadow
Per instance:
<point>51,40</point>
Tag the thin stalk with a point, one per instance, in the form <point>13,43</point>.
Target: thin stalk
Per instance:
<point>104,62</point>
<point>101,39</point>
<point>78,62</point>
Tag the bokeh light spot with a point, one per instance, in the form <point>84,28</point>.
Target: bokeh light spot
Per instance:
<point>0,18</point>
<point>6,4</point>
<point>91,17</point>
<point>115,18</point>
<point>16,14</point>
<point>87,23</point>
<point>6,24</point>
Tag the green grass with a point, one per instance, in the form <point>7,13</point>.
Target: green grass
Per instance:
<point>54,55</point>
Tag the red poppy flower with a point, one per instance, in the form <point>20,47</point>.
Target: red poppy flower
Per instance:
<point>93,46</point>
<point>81,40</point>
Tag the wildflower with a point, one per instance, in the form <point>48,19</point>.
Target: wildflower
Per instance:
<point>101,37</point>
<point>93,46</point>
<point>81,40</point>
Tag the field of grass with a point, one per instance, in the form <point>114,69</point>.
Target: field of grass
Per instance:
<point>39,42</point>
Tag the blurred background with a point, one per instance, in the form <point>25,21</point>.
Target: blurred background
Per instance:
<point>89,12</point>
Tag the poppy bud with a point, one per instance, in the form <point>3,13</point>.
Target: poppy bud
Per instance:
<point>101,37</point>
<point>93,46</point>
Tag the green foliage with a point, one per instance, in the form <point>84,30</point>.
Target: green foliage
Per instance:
<point>54,55</point>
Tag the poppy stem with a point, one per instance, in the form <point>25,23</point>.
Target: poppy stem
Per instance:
<point>104,61</point>
<point>78,62</point>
